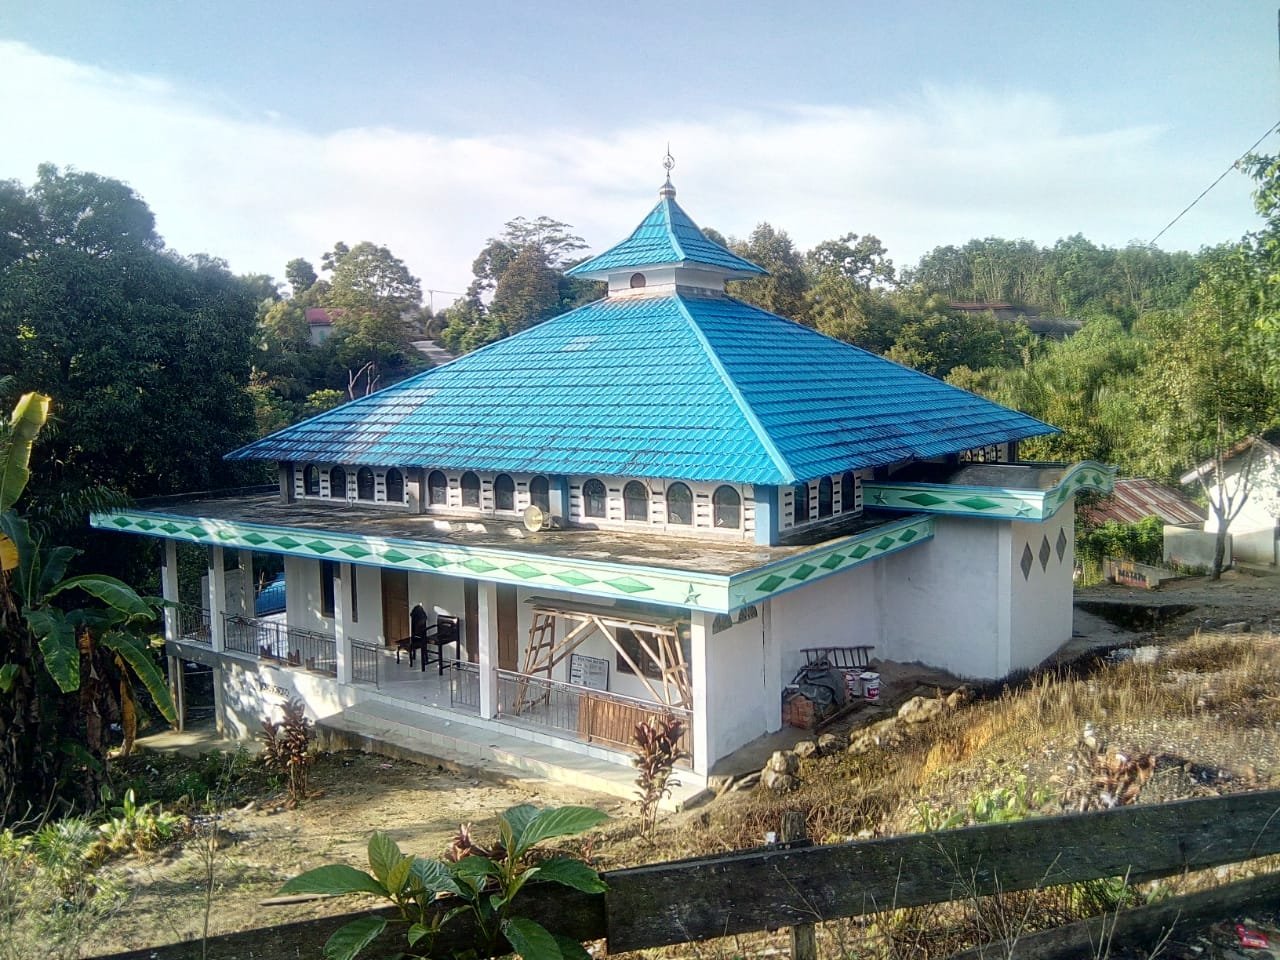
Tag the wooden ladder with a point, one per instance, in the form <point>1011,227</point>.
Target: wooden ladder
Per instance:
<point>537,659</point>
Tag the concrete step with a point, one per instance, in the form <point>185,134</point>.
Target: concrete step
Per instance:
<point>392,731</point>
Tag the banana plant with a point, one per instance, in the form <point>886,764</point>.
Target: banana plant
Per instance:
<point>37,575</point>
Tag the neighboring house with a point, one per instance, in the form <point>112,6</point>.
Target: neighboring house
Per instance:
<point>1136,498</point>
<point>652,503</point>
<point>320,322</point>
<point>1253,472</point>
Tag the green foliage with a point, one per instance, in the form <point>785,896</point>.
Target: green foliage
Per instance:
<point>1142,542</point>
<point>1000,804</point>
<point>29,416</point>
<point>483,886</point>
<point>783,290</point>
<point>138,827</point>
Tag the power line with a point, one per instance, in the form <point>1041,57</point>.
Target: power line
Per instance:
<point>1221,176</point>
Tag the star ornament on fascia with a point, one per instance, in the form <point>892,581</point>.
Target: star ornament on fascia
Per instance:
<point>880,499</point>
<point>1024,510</point>
<point>693,596</point>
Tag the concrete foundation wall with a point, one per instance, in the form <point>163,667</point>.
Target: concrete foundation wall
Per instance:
<point>839,611</point>
<point>250,692</point>
<point>1041,601</point>
<point>1188,547</point>
<point>741,708</point>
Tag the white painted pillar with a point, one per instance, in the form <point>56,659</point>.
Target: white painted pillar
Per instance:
<point>487,604</point>
<point>169,589</point>
<point>244,560</point>
<point>217,599</point>
<point>772,681</point>
<point>700,661</point>
<point>342,574</point>
<point>1006,587</point>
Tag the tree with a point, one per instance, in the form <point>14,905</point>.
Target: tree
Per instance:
<point>301,275</point>
<point>783,290</point>
<point>66,673</point>
<point>148,352</point>
<point>862,260</point>
<point>1208,393</point>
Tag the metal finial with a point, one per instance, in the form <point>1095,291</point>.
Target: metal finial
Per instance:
<point>668,164</point>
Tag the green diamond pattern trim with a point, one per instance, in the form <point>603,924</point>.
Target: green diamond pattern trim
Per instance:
<point>256,539</point>
<point>629,585</point>
<point>478,565</point>
<point>803,572</point>
<point>356,551</point>
<point>770,583</point>
<point>923,499</point>
<point>884,543</point>
<point>833,561</point>
<point>978,503</point>
<point>860,551</point>
<point>525,571</point>
<point>319,546</point>
<point>170,527</point>
<point>395,556</point>
<point>574,578</point>
<point>287,542</point>
<point>434,560</point>
<point>146,525</point>
<point>908,535</point>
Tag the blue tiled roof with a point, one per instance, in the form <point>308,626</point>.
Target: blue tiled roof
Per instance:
<point>700,388</point>
<point>666,236</point>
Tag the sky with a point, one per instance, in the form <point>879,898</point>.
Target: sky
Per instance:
<point>259,132</point>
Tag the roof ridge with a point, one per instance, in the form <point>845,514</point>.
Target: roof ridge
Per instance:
<point>757,428</point>
<point>667,204</point>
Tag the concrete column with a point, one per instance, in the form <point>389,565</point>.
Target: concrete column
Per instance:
<point>767,514</point>
<point>487,605</point>
<point>244,560</point>
<point>285,474</point>
<point>773,681</point>
<point>169,589</point>
<point>342,574</point>
<point>217,599</point>
<point>558,494</point>
<point>1006,564</point>
<point>700,661</point>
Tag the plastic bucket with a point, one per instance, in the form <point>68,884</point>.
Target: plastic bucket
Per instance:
<point>871,687</point>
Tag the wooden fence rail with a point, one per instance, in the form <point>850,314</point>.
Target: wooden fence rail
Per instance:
<point>768,888</point>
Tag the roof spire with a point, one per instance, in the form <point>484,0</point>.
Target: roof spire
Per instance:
<point>668,163</point>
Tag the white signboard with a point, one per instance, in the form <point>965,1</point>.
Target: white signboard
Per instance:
<point>590,672</point>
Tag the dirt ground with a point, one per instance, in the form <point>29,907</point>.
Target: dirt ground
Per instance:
<point>263,843</point>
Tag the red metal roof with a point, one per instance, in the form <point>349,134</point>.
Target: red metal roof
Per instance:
<point>323,316</point>
<point>1135,498</point>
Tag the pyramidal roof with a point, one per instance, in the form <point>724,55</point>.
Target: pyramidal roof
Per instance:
<point>666,237</point>
<point>676,386</point>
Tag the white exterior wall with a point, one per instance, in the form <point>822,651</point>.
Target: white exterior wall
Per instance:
<point>253,691</point>
<point>703,512</point>
<point>740,707</point>
<point>839,611</point>
<point>302,595</point>
<point>1041,602</point>
<point>1253,531</point>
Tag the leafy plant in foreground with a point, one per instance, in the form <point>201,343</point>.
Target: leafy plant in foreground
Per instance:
<point>286,747</point>
<point>483,886</point>
<point>657,746</point>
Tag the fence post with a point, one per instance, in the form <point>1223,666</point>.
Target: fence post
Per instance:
<point>804,940</point>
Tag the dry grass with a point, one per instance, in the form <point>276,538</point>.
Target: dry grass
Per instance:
<point>1207,709</point>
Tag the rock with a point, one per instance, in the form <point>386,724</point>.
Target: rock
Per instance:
<point>1239,626</point>
<point>828,743</point>
<point>779,782</point>
<point>805,749</point>
<point>718,783</point>
<point>920,710</point>
<point>746,782</point>
<point>783,761</point>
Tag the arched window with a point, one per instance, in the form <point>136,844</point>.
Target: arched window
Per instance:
<point>470,490</point>
<point>848,493</point>
<point>538,494</point>
<point>801,496</point>
<point>311,480</point>
<point>594,498</point>
<point>364,484</point>
<point>338,483</point>
<point>635,501</point>
<point>504,492</point>
<point>726,507</point>
<point>680,504</point>
<point>437,489</point>
<point>395,486</point>
<point>825,503</point>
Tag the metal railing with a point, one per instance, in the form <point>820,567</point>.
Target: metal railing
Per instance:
<point>194,624</point>
<point>464,685</point>
<point>365,658</point>
<point>280,643</point>
<point>591,716</point>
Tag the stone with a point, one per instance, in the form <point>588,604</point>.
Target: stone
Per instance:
<point>805,749</point>
<point>779,782</point>
<point>746,781</point>
<point>783,761</point>
<point>920,710</point>
<point>1239,626</point>
<point>828,743</point>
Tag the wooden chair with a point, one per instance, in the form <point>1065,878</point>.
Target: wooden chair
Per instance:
<point>439,635</point>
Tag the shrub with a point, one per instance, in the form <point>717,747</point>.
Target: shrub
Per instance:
<point>287,748</point>
<point>657,746</point>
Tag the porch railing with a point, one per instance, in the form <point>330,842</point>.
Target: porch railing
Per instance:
<point>365,658</point>
<point>280,643</point>
<point>464,685</point>
<point>591,716</point>
<point>194,624</point>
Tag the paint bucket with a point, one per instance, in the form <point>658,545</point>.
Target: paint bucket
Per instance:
<point>871,687</point>
<point>852,684</point>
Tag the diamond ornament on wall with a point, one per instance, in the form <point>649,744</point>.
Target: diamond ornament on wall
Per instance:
<point>1027,562</point>
<point>1046,552</point>
<point>1062,543</point>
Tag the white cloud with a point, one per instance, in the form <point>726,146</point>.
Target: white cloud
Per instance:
<point>938,166</point>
